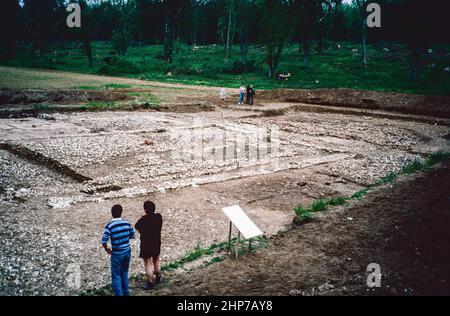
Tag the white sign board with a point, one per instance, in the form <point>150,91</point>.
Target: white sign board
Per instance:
<point>242,222</point>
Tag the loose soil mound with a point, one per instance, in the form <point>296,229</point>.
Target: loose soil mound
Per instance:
<point>8,96</point>
<point>405,103</point>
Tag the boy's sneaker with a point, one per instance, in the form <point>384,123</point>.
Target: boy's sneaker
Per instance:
<point>149,286</point>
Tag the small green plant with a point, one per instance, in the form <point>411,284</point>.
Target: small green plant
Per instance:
<point>412,167</point>
<point>387,179</point>
<point>195,254</point>
<point>319,206</point>
<point>303,213</point>
<point>213,260</point>
<point>307,215</point>
<point>199,252</point>
<point>337,201</point>
<point>117,86</point>
<point>360,194</point>
<point>436,158</point>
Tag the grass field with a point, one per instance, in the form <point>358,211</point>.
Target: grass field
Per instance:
<point>387,70</point>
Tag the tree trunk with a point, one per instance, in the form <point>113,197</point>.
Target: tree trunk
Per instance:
<point>269,60</point>
<point>414,62</point>
<point>335,22</point>
<point>273,58</point>
<point>141,39</point>
<point>168,42</point>
<point>227,48</point>
<point>244,49</point>
<point>88,50</point>
<point>10,48</point>
<point>364,43</point>
<point>306,54</point>
<point>271,71</point>
<point>319,47</point>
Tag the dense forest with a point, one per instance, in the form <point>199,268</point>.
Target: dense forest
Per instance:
<point>310,25</point>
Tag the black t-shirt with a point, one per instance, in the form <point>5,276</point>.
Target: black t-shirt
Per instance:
<point>149,226</point>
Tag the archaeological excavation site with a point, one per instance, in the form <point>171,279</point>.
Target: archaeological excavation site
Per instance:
<point>224,155</point>
<point>335,179</point>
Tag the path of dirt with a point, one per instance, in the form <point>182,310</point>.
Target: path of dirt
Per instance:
<point>403,228</point>
<point>19,78</point>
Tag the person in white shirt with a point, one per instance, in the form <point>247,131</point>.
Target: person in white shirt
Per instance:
<point>222,94</point>
<point>242,90</point>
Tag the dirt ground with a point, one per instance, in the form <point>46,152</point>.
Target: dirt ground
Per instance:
<point>61,172</point>
<point>406,103</point>
<point>403,228</point>
<point>9,97</point>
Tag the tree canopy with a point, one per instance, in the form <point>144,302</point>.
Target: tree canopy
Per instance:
<point>270,23</point>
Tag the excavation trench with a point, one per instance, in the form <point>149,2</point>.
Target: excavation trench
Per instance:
<point>436,106</point>
<point>8,96</point>
<point>40,159</point>
<point>54,165</point>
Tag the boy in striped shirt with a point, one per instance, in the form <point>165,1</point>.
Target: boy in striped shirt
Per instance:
<point>118,232</point>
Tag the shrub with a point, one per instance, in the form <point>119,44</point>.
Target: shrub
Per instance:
<point>120,41</point>
<point>184,68</point>
<point>238,67</point>
<point>119,67</point>
<point>152,41</point>
<point>196,69</point>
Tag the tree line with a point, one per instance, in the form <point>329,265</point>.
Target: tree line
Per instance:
<point>269,23</point>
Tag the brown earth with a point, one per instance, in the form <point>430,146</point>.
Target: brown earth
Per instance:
<point>405,103</point>
<point>8,96</point>
<point>402,227</point>
<point>324,151</point>
<point>18,79</point>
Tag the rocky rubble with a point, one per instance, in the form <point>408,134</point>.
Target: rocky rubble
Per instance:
<point>49,221</point>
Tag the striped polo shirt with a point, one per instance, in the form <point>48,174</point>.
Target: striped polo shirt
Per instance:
<point>119,232</point>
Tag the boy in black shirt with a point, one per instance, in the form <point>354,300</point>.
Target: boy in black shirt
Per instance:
<point>149,226</point>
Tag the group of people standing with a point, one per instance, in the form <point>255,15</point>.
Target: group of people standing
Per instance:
<point>248,93</point>
<point>116,242</point>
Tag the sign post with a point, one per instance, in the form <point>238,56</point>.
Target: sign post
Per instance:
<point>243,223</point>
